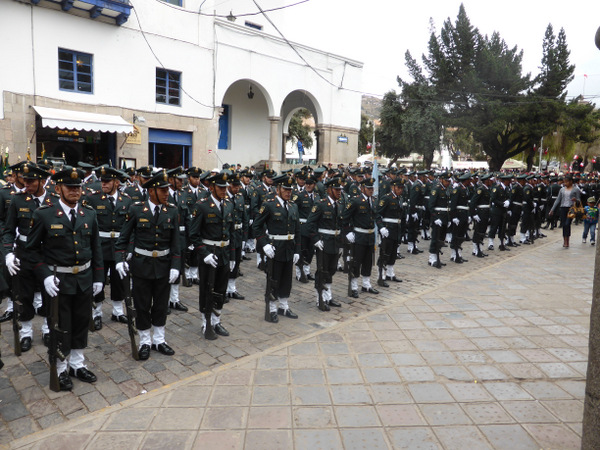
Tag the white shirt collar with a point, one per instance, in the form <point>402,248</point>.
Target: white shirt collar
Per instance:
<point>67,209</point>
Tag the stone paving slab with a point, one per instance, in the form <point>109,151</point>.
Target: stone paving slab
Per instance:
<point>417,370</point>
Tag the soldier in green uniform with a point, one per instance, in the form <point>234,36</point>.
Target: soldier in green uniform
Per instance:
<point>389,219</point>
<point>500,203</point>
<point>111,210</point>
<point>153,230</point>
<point>319,177</point>
<point>539,195</point>
<point>178,197</point>
<point>240,217</point>
<point>439,206</point>
<point>192,194</point>
<point>64,239</point>
<point>416,209</point>
<point>246,189</point>
<point>358,220</point>
<point>459,213</point>
<point>6,195</point>
<point>212,230</point>
<point>324,225</point>
<point>277,231</point>
<point>18,260</point>
<point>305,200</point>
<point>136,192</point>
<point>516,207</point>
<point>529,205</point>
<point>263,191</point>
<point>480,213</point>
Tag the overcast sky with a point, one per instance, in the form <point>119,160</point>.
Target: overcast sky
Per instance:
<point>378,32</point>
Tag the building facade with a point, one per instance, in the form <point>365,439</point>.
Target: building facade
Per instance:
<point>138,82</point>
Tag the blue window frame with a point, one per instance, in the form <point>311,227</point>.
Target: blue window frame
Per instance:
<point>75,71</point>
<point>224,125</point>
<point>168,87</point>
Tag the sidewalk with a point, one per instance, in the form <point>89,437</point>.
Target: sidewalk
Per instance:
<point>492,356</point>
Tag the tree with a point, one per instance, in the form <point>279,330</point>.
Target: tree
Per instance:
<point>298,130</point>
<point>365,134</point>
<point>389,134</point>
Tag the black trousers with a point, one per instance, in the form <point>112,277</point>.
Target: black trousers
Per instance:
<point>117,285</point>
<point>565,221</point>
<point>363,260</point>
<point>480,228</point>
<point>151,298</point>
<point>387,251</point>
<point>238,259</point>
<point>74,318</point>
<point>282,277</point>
<point>329,263</point>
<point>24,286</point>
<point>498,226</point>
<point>219,288</point>
<point>459,232</point>
<point>308,250</point>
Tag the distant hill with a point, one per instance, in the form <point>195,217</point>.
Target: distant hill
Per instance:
<point>371,107</point>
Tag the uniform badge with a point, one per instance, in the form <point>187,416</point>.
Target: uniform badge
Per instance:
<point>454,191</point>
<point>478,191</point>
<point>348,206</point>
<point>494,190</point>
<point>381,203</point>
<point>433,192</point>
<point>314,209</point>
<point>262,208</point>
<point>85,225</point>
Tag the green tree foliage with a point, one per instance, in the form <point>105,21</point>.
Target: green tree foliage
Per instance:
<point>365,134</point>
<point>389,134</point>
<point>298,130</point>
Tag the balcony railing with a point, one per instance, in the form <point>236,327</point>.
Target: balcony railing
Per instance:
<point>118,10</point>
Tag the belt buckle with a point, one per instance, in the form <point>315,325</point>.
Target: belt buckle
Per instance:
<point>290,237</point>
<point>222,244</point>
<point>75,270</point>
<point>112,234</point>
<point>154,253</point>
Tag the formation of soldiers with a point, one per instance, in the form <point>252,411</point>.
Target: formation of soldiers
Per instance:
<point>68,233</point>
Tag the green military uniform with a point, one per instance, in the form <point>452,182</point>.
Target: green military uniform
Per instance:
<point>389,215</point>
<point>66,241</point>
<point>358,220</point>
<point>212,230</point>
<point>305,201</point>
<point>459,215</point>
<point>500,203</point>
<point>278,225</point>
<point>479,208</point>
<point>439,207</point>
<point>111,212</point>
<point>527,221</point>
<point>240,234</point>
<point>153,232</point>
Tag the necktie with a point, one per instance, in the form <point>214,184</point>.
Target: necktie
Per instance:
<point>156,212</point>
<point>37,202</point>
<point>175,196</point>
<point>285,204</point>
<point>112,201</point>
<point>73,217</point>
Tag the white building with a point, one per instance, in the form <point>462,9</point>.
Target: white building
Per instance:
<point>151,81</point>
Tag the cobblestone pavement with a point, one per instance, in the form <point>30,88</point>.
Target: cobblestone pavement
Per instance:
<point>486,354</point>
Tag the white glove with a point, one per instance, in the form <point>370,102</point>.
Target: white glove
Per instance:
<point>438,222</point>
<point>449,224</point>
<point>122,268</point>
<point>415,216</point>
<point>476,218</point>
<point>231,266</point>
<point>296,258</point>
<point>384,232</point>
<point>173,274</point>
<point>350,236</point>
<point>12,264</point>
<point>211,260</point>
<point>534,205</point>
<point>269,250</point>
<point>51,285</point>
<point>455,221</point>
<point>319,245</point>
<point>509,213</point>
<point>470,220</point>
<point>251,222</point>
<point>506,203</point>
<point>542,207</point>
<point>191,247</point>
<point>129,256</point>
<point>97,288</point>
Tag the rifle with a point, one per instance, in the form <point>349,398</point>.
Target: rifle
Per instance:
<point>209,332</point>
<point>321,281</point>
<point>271,285</point>
<point>350,259</point>
<point>17,310</point>
<point>383,256</point>
<point>56,337</point>
<point>131,316</point>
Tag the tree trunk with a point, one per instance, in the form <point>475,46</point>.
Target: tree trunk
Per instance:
<point>496,164</point>
<point>427,161</point>
<point>530,161</point>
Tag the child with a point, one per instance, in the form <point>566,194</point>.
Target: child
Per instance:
<point>590,221</point>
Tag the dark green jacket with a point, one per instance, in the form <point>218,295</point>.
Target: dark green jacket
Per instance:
<point>323,217</point>
<point>358,213</point>
<point>209,222</point>
<point>273,219</point>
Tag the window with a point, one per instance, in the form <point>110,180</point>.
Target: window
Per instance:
<point>168,87</point>
<point>74,71</point>
<point>253,25</point>
<point>174,2</point>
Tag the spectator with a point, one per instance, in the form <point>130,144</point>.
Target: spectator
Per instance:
<point>567,196</point>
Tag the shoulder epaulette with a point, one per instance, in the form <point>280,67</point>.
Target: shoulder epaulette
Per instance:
<point>85,205</point>
<point>45,206</point>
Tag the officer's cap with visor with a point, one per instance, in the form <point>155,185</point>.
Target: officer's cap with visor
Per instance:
<point>285,181</point>
<point>235,180</point>
<point>32,171</point>
<point>220,179</point>
<point>335,183</point>
<point>160,180</point>
<point>69,176</point>
<point>177,172</point>
<point>145,172</point>
<point>18,167</point>
<point>310,180</point>
<point>465,176</point>
<point>398,182</point>
<point>368,182</point>
<point>107,173</point>
<point>194,171</point>
<point>269,173</point>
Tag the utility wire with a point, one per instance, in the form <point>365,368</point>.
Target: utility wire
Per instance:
<point>178,8</point>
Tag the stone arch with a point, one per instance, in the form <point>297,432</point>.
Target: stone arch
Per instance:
<point>294,101</point>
